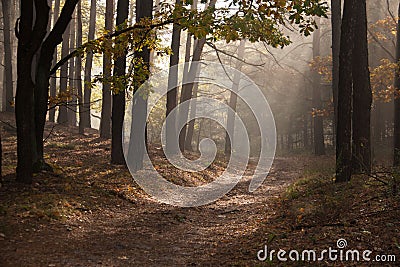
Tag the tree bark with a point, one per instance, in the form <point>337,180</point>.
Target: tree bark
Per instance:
<point>230,125</point>
<point>62,110</point>
<point>42,77</point>
<point>144,9</point>
<point>396,152</point>
<point>71,74</point>
<point>53,82</point>
<point>319,144</point>
<point>336,21</point>
<point>88,68</point>
<point>118,98</point>
<point>8,69</point>
<point>343,135</point>
<point>172,95</point>
<point>105,123</point>
<point>29,41</point>
<point>362,95</point>
<point>78,72</point>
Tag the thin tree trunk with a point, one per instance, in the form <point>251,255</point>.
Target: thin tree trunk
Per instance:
<point>187,89</point>
<point>8,69</point>
<point>62,110</point>
<point>362,95</point>
<point>343,135</point>
<point>319,144</point>
<point>88,68</point>
<point>172,95</point>
<point>105,123</point>
<point>230,125</point>
<point>336,20</point>
<point>118,98</point>
<point>396,157</point>
<point>78,72</point>
<point>53,82</point>
<point>71,75</point>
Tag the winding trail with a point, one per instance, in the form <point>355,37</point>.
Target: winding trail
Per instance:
<point>145,233</point>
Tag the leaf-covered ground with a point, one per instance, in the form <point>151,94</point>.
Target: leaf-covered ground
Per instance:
<point>90,213</point>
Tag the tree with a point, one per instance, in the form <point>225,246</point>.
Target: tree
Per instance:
<point>78,72</point>
<point>343,135</point>
<point>64,94</point>
<point>53,83</point>
<point>118,98</point>
<point>233,99</point>
<point>336,19</point>
<point>31,98</point>
<point>362,94</point>
<point>319,145</point>
<point>71,75</point>
<point>396,158</point>
<point>172,94</point>
<point>8,70</point>
<point>144,10</point>
<point>105,123</point>
<point>88,68</point>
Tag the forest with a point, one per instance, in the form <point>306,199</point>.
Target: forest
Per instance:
<point>199,133</point>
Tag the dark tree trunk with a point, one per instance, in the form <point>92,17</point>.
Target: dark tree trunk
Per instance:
<point>8,69</point>
<point>343,135</point>
<point>336,20</point>
<point>62,110</point>
<point>78,72</point>
<point>71,75</point>
<point>53,82</point>
<point>396,158</point>
<point>362,94</point>
<point>105,123</point>
<point>172,95</point>
<point>88,68</point>
<point>319,144</point>
<point>144,9</point>
<point>29,41</point>
<point>230,125</point>
<point>118,98</point>
<point>187,89</point>
<point>43,76</point>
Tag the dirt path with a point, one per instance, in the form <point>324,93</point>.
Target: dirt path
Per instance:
<point>145,233</point>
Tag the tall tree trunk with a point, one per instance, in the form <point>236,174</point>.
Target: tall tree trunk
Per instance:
<point>71,75</point>
<point>343,135</point>
<point>362,95</point>
<point>78,72</point>
<point>29,41</point>
<point>319,144</point>
<point>42,78</point>
<point>172,94</point>
<point>62,110</point>
<point>8,69</point>
<point>187,88</point>
<point>88,68</point>
<point>105,123</point>
<point>118,98</point>
<point>336,20</point>
<point>144,9</point>
<point>230,125</point>
<point>396,157</point>
<point>53,82</point>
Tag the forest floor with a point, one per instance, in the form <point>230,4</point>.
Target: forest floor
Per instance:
<point>91,213</point>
